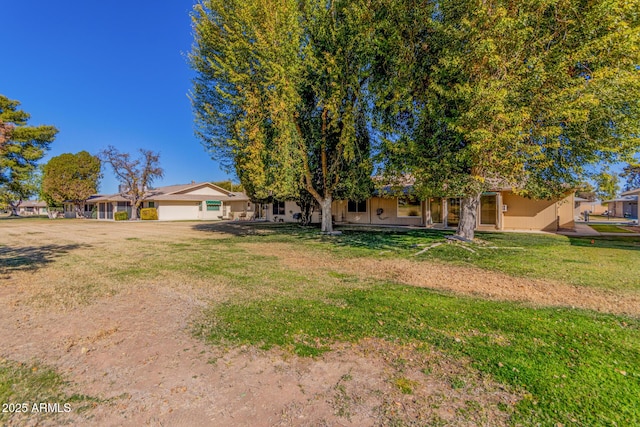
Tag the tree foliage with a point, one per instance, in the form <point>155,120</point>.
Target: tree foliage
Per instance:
<point>483,94</point>
<point>71,177</point>
<point>21,147</point>
<point>281,95</point>
<point>229,185</point>
<point>607,187</point>
<point>631,175</point>
<point>136,175</point>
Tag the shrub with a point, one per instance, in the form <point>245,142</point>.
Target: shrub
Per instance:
<point>121,216</point>
<point>147,214</point>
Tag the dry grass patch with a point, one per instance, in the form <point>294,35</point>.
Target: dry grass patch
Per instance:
<point>464,280</point>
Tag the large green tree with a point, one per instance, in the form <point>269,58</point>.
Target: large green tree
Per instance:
<point>21,147</point>
<point>71,178</point>
<point>483,94</point>
<point>280,94</point>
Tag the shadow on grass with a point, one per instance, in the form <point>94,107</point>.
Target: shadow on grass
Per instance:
<point>368,237</point>
<point>30,257</point>
<point>247,228</point>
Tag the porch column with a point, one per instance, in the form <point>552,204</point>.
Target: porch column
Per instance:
<point>445,211</point>
<point>427,213</point>
<point>499,209</point>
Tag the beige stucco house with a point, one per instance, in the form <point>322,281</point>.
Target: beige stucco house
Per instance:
<point>498,210</point>
<point>32,207</point>
<point>593,207</point>
<point>195,201</point>
<point>625,206</point>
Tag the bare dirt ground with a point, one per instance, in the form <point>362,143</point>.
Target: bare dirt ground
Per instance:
<point>133,348</point>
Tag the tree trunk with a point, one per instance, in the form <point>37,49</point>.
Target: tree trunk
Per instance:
<point>134,210</point>
<point>327,220</point>
<point>14,208</point>
<point>79,213</point>
<point>468,214</point>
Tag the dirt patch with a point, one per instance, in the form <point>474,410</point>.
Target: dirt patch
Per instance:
<point>135,352</point>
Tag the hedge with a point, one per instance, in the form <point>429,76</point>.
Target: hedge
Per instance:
<point>147,214</point>
<point>121,216</point>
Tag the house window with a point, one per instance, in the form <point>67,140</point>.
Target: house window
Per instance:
<point>409,206</point>
<point>488,209</point>
<point>435,205</point>
<point>453,212</point>
<point>278,208</point>
<point>152,204</point>
<point>356,207</point>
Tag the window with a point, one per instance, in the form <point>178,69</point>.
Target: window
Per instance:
<point>357,206</point>
<point>488,209</point>
<point>409,206</point>
<point>436,210</point>
<point>152,204</point>
<point>453,215</point>
<point>278,208</point>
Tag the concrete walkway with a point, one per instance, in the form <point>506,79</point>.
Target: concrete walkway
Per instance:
<point>583,230</point>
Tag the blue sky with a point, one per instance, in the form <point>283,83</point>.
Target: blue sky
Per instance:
<point>107,73</point>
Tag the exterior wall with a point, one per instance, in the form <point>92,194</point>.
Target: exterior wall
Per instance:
<point>389,213</point>
<point>521,214</point>
<point>566,219</point>
<point>172,211</point>
<point>291,208</point>
<point>339,210</point>
<point>595,208</point>
<point>528,214</point>
<point>207,191</point>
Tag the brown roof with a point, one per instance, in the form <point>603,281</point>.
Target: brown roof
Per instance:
<point>175,192</point>
<point>33,204</point>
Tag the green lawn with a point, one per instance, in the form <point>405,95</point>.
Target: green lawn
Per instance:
<point>573,367</point>
<point>609,228</point>
<point>609,262</point>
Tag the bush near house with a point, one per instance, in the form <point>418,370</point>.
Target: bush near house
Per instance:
<point>121,216</point>
<point>148,214</point>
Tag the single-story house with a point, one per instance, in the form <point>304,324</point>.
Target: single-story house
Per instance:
<point>593,207</point>
<point>32,207</point>
<point>195,201</point>
<point>625,206</point>
<point>498,210</point>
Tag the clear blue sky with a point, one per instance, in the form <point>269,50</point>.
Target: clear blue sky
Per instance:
<point>107,73</point>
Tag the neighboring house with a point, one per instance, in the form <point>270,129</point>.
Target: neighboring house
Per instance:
<point>498,210</point>
<point>593,207</point>
<point>195,201</point>
<point>625,206</point>
<point>32,207</point>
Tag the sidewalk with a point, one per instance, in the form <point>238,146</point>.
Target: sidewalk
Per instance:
<point>583,230</point>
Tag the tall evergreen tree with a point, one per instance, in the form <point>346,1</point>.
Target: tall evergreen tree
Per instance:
<point>21,147</point>
<point>281,95</point>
